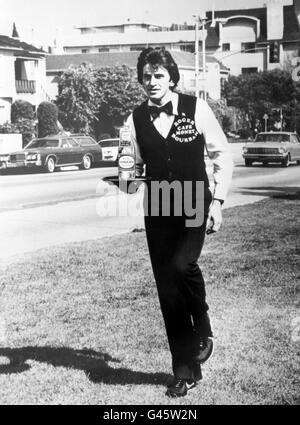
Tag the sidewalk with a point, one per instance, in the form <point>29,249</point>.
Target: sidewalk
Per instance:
<point>31,229</point>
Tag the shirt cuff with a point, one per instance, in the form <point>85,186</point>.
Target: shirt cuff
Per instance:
<point>220,192</point>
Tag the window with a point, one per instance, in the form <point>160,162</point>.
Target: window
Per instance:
<point>72,143</point>
<point>226,47</point>
<point>85,141</point>
<point>65,144</point>
<point>109,143</point>
<point>248,48</point>
<point>103,49</point>
<point>272,137</point>
<point>85,50</point>
<point>249,70</point>
<point>43,143</point>
<point>294,139</point>
<point>136,49</point>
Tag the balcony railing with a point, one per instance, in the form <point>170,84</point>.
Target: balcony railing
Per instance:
<point>25,86</point>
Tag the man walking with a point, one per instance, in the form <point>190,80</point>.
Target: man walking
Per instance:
<point>171,132</point>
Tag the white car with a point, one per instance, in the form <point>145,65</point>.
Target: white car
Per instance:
<point>110,149</point>
<point>281,147</point>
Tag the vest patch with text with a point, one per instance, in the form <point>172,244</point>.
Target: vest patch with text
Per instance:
<point>185,130</point>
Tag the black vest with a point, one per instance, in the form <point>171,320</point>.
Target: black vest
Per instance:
<point>178,157</point>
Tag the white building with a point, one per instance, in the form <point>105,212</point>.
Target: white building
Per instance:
<point>22,74</point>
<point>257,39</point>
<point>247,41</point>
<point>130,36</point>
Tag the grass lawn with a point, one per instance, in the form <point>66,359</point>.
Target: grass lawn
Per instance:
<point>81,324</point>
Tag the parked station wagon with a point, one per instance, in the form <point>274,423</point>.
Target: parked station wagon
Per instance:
<point>280,147</point>
<point>52,152</point>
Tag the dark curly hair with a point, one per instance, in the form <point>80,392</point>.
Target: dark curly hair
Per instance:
<point>158,57</point>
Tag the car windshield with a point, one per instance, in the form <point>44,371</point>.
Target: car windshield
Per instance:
<point>276,137</point>
<point>43,143</point>
<point>109,143</point>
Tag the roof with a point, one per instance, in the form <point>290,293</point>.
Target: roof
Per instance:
<point>117,24</point>
<point>59,63</point>
<point>19,47</point>
<point>290,21</point>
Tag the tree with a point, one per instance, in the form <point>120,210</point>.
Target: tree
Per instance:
<point>97,100</point>
<point>47,114</point>
<point>118,94</point>
<point>21,109</point>
<point>260,93</point>
<point>76,100</point>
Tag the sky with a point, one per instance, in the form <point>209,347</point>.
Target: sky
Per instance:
<point>39,21</point>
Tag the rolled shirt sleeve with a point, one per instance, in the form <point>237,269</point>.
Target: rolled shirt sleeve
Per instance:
<point>139,164</point>
<point>217,146</point>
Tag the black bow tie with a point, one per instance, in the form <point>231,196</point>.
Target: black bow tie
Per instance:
<point>155,110</point>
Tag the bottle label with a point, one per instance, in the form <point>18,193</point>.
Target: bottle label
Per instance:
<point>126,162</point>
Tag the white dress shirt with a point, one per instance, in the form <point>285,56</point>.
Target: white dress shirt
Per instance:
<point>207,124</point>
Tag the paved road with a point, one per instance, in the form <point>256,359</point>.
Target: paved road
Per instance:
<point>33,189</point>
<point>40,210</point>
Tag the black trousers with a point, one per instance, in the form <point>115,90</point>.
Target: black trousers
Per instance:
<point>174,252</point>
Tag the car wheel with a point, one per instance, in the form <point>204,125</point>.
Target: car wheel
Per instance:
<point>86,162</point>
<point>286,161</point>
<point>50,165</point>
<point>248,162</point>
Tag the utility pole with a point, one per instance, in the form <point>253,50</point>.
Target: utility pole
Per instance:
<point>196,55</point>
<point>203,24</point>
<point>203,20</point>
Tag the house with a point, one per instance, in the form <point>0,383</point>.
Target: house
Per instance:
<point>260,39</point>
<point>22,74</point>
<point>216,72</point>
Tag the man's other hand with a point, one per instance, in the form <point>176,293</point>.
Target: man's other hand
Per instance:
<point>214,217</point>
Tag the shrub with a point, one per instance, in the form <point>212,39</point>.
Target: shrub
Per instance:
<point>21,109</point>
<point>245,133</point>
<point>226,123</point>
<point>8,128</point>
<point>47,114</point>
<point>25,127</point>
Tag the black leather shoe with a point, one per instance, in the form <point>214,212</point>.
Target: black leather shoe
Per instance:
<point>197,373</point>
<point>205,350</point>
<point>180,387</point>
